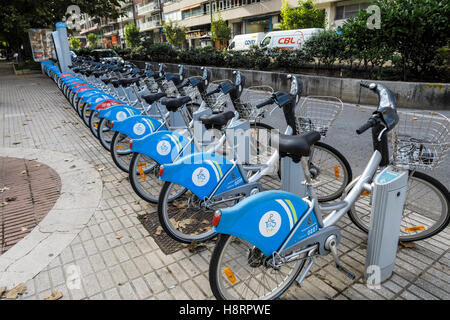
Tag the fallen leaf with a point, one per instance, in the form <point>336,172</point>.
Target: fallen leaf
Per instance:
<point>4,189</point>
<point>101,169</point>
<point>68,160</point>
<point>10,199</point>
<point>414,118</point>
<point>2,291</point>
<point>37,165</point>
<point>407,244</point>
<point>16,142</point>
<point>24,229</point>
<point>159,230</point>
<point>72,166</point>
<point>119,236</point>
<point>107,180</point>
<point>90,182</point>
<point>195,247</point>
<point>24,172</point>
<point>4,203</point>
<point>55,295</point>
<point>13,293</point>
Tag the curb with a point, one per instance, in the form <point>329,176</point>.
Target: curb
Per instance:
<point>72,211</point>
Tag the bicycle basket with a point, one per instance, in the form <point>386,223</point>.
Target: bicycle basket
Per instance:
<point>217,101</point>
<point>193,93</point>
<point>152,85</point>
<point>249,99</point>
<point>420,139</point>
<point>317,113</point>
<point>169,88</point>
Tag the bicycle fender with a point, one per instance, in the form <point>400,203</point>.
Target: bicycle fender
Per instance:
<point>162,146</point>
<point>266,219</point>
<point>199,172</point>
<point>104,104</point>
<point>95,97</point>
<point>137,127</point>
<point>119,112</point>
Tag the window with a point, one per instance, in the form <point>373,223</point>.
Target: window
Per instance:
<point>347,11</point>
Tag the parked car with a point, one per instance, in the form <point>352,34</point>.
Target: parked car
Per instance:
<point>107,55</point>
<point>244,41</point>
<point>288,39</point>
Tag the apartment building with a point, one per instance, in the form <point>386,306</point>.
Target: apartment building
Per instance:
<point>243,16</point>
<point>110,32</point>
<point>149,19</point>
<point>246,16</point>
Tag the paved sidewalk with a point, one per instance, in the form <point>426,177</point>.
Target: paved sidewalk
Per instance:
<point>117,259</point>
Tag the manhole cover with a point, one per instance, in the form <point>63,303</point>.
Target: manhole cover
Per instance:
<point>28,191</point>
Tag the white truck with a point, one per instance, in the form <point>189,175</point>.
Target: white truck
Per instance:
<point>244,41</point>
<point>287,39</point>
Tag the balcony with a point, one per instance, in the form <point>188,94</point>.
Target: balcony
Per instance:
<point>148,8</point>
<point>127,17</point>
<point>94,27</point>
<point>149,25</point>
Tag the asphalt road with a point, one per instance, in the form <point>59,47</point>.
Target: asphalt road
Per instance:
<point>358,148</point>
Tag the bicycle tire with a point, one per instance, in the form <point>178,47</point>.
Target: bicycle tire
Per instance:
<point>216,272</point>
<point>362,222</point>
<point>338,166</point>
<point>115,154</point>
<point>101,133</point>
<point>92,122</point>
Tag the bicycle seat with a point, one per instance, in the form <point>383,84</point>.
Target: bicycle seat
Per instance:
<point>115,82</point>
<point>175,104</point>
<point>151,98</point>
<point>175,78</point>
<point>183,84</point>
<point>126,82</point>
<point>296,146</point>
<point>216,121</point>
<point>107,80</point>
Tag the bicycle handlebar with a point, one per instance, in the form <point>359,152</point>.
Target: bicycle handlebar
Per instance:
<point>369,124</point>
<point>265,103</point>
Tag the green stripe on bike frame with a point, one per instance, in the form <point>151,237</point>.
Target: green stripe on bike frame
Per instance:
<point>218,167</point>
<point>151,124</point>
<point>292,209</point>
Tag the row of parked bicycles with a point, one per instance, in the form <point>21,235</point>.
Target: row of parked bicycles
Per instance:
<point>201,150</point>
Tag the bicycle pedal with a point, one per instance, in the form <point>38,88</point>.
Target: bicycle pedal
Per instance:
<point>346,272</point>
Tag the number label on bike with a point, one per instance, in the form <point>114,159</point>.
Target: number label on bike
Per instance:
<point>270,223</point>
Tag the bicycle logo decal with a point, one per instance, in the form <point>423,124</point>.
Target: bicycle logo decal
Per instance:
<point>200,176</point>
<point>139,129</point>
<point>163,147</point>
<point>121,115</point>
<point>270,223</point>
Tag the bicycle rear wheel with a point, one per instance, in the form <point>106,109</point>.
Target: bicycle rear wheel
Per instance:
<point>238,271</point>
<point>425,214</point>
<point>120,151</point>
<point>184,217</point>
<point>105,133</point>
<point>330,172</point>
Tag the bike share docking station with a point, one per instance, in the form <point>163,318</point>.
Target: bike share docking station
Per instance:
<point>388,198</point>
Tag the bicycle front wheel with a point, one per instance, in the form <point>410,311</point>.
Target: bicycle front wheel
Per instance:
<point>425,213</point>
<point>238,271</point>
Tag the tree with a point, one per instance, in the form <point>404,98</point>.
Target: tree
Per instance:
<point>93,40</point>
<point>75,43</point>
<point>306,15</point>
<point>220,31</point>
<point>17,16</point>
<point>132,36</point>
<point>175,34</point>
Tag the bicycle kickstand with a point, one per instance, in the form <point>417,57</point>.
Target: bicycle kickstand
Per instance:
<point>330,244</point>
